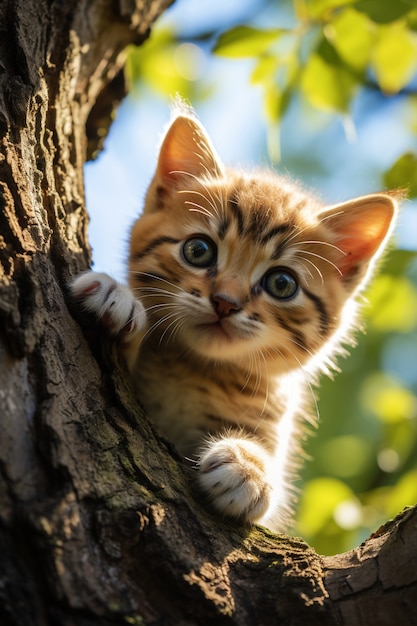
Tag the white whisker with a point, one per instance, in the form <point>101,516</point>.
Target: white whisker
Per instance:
<point>321,243</point>
<point>306,268</point>
<point>323,258</point>
<point>155,277</point>
<point>209,199</point>
<point>198,208</point>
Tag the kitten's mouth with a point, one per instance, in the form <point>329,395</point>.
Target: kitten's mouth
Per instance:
<point>217,329</point>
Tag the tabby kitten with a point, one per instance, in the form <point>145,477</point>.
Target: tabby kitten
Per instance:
<point>241,289</point>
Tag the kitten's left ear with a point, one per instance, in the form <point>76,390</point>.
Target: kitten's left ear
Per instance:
<point>186,151</point>
<point>361,228</point>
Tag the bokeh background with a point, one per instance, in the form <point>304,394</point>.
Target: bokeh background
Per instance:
<point>326,91</point>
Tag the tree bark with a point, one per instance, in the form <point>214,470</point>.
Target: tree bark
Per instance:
<point>100,522</point>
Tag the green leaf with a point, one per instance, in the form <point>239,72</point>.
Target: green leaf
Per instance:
<point>404,493</point>
<point>385,398</point>
<point>265,69</point>
<point>319,499</point>
<point>322,9</point>
<point>412,20</point>
<point>394,56</point>
<point>276,103</point>
<point>393,304</point>
<point>326,86</point>
<point>246,41</point>
<point>352,34</point>
<point>384,11</point>
<point>328,52</point>
<point>403,174</point>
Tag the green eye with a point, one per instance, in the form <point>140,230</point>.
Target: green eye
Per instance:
<point>199,251</point>
<point>280,284</point>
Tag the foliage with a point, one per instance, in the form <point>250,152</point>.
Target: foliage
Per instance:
<point>367,442</point>
<point>333,49</point>
<point>363,468</point>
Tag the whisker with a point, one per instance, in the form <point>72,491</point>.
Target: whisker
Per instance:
<point>306,268</point>
<point>323,258</point>
<point>198,208</point>
<point>209,199</point>
<point>158,323</point>
<point>161,279</point>
<point>175,321</point>
<point>322,243</point>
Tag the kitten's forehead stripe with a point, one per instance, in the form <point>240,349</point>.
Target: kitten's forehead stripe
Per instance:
<point>258,223</point>
<point>223,228</point>
<point>236,212</point>
<point>159,241</point>
<point>275,230</point>
<point>279,249</point>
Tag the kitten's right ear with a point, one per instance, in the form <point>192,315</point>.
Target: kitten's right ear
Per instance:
<point>186,152</point>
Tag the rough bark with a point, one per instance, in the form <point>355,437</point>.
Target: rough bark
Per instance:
<point>99,519</point>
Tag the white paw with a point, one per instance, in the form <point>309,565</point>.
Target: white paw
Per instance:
<point>232,472</point>
<point>112,303</point>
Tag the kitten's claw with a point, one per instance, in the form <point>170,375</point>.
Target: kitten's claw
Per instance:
<point>112,303</point>
<point>232,473</point>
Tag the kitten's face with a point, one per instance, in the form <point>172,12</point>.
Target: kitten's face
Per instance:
<point>240,268</point>
<point>234,270</point>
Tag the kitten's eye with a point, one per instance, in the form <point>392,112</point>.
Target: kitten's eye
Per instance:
<point>199,251</point>
<point>280,284</point>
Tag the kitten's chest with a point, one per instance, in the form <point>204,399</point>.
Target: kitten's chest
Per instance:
<point>188,404</point>
<point>177,400</point>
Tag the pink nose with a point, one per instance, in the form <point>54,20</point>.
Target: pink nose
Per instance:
<point>225,305</point>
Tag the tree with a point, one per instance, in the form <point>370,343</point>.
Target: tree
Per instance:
<point>99,521</point>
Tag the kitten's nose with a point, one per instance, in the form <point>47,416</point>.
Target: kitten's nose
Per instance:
<point>225,305</point>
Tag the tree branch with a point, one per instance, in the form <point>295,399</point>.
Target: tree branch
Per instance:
<point>100,522</point>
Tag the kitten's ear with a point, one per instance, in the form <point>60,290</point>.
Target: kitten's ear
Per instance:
<point>361,228</point>
<point>186,151</point>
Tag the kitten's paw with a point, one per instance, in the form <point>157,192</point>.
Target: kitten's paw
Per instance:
<point>112,303</point>
<point>232,472</point>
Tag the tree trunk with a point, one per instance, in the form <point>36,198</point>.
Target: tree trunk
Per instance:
<point>100,522</point>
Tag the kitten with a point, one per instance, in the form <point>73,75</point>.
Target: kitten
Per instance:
<point>241,289</point>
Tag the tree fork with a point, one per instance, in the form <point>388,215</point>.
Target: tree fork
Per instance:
<point>100,522</point>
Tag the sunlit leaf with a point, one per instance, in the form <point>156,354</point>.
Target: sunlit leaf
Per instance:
<point>326,86</point>
<point>246,41</point>
<point>412,19</point>
<point>394,304</point>
<point>321,9</point>
<point>276,103</point>
<point>404,493</point>
<point>265,69</point>
<point>394,56</point>
<point>352,34</point>
<point>167,66</point>
<point>403,438</point>
<point>384,11</point>
<point>385,398</point>
<point>138,57</point>
<point>319,499</point>
<point>403,174</point>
